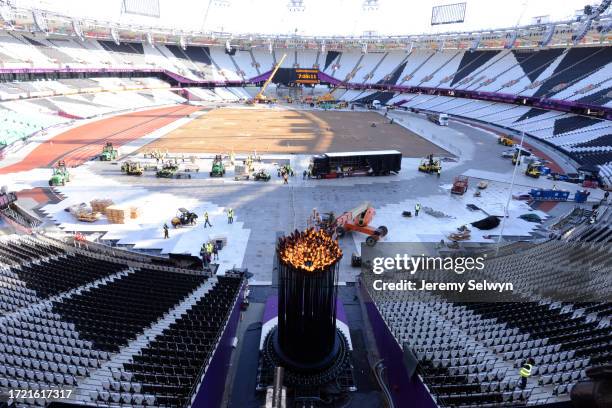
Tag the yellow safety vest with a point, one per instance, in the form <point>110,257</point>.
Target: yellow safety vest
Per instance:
<point>525,370</point>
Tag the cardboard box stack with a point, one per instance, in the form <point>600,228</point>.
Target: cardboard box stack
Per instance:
<point>116,214</point>
<point>100,205</point>
<point>134,212</point>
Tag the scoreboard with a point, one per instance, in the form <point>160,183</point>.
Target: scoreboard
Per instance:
<point>306,76</point>
<point>301,76</point>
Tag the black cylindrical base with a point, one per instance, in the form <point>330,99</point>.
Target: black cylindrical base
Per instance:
<point>310,366</point>
<point>302,375</point>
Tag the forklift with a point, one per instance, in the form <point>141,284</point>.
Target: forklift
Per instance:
<point>533,169</point>
<point>429,165</point>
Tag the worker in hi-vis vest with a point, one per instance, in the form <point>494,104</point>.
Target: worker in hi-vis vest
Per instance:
<point>525,372</point>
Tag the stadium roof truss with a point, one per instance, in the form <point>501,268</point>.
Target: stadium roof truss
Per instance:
<point>526,37</point>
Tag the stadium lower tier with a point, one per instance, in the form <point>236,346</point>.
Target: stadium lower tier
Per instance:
<point>586,140</point>
<point>113,330</point>
<point>468,354</point>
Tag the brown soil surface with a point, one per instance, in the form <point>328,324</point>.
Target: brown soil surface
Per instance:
<point>292,131</point>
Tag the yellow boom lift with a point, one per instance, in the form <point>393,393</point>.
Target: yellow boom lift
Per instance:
<point>260,97</point>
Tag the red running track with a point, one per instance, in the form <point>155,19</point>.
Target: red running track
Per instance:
<point>80,144</point>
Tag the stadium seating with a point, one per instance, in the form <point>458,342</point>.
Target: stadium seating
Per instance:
<point>579,74</point>
<point>58,102</point>
<point>178,351</point>
<point>469,353</point>
<point>566,74</point>
<point>16,125</point>
<point>582,138</point>
<point>138,334</point>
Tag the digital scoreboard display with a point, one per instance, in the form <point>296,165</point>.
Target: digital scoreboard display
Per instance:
<point>306,76</point>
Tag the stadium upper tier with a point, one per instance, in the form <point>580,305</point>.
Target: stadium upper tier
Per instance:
<point>577,74</point>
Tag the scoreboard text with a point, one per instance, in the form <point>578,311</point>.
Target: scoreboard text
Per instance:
<point>306,76</point>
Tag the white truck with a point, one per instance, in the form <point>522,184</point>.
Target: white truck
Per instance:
<point>440,119</point>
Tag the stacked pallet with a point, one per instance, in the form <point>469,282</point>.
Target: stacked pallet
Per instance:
<point>116,214</point>
<point>88,216</point>
<point>100,205</point>
<point>134,212</point>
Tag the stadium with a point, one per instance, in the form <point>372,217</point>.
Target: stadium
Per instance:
<point>366,203</point>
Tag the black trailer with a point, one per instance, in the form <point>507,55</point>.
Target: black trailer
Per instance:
<point>373,163</point>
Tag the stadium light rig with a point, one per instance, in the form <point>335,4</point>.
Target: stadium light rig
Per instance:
<point>296,5</point>
<point>221,3</point>
<point>370,5</point>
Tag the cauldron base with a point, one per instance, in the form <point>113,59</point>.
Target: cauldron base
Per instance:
<point>313,374</point>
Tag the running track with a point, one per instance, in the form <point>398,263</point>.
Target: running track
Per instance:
<point>82,143</point>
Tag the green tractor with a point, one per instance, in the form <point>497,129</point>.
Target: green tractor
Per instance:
<point>60,176</point>
<point>261,175</point>
<point>167,171</point>
<point>109,153</point>
<point>218,169</point>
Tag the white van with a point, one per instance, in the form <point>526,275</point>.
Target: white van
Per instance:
<point>440,119</point>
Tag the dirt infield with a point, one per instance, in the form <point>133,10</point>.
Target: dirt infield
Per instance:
<point>292,131</point>
<point>80,144</point>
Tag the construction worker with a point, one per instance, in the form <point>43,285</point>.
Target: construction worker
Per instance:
<point>204,255</point>
<point>230,216</point>
<point>314,219</point>
<point>417,208</point>
<point>215,250</point>
<point>525,372</point>
<point>206,220</point>
<point>166,236</point>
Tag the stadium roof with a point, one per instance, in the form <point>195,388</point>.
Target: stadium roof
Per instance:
<point>317,17</point>
<point>154,30</point>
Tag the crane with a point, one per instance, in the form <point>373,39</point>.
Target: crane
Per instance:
<point>260,97</point>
